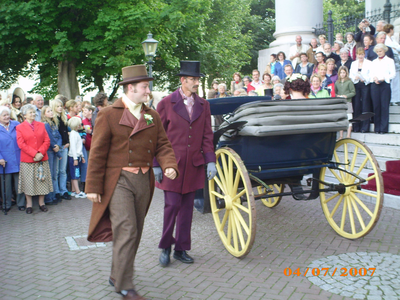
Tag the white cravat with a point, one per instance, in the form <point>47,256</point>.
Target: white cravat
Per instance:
<point>134,108</point>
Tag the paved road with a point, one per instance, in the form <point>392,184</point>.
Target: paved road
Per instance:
<point>37,262</point>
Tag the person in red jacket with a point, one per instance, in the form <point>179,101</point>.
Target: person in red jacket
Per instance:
<point>187,121</point>
<point>34,176</point>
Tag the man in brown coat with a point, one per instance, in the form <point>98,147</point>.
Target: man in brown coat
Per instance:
<point>120,180</point>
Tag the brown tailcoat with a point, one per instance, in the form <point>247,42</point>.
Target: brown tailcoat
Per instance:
<point>115,145</point>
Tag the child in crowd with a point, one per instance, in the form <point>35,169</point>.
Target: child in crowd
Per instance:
<point>87,125</point>
<point>75,156</point>
<point>53,153</point>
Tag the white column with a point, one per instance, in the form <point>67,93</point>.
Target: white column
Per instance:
<point>293,17</point>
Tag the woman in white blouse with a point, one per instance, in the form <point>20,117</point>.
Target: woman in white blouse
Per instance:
<point>395,84</point>
<point>360,75</point>
<point>382,72</point>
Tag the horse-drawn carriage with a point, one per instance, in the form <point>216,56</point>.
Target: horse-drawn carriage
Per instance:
<point>269,149</point>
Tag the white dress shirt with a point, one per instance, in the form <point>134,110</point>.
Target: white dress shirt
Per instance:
<point>383,69</point>
<point>294,49</point>
<point>365,72</point>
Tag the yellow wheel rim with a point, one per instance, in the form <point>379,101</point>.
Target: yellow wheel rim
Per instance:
<point>355,212</point>
<point>273,201</point>
<point>235,222</point>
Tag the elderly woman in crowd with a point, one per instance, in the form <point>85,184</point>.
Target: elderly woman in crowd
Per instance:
<point>344,88</point>
<point>304,67</point>
<point>35,176</point>
<point>237,83</point>
<point>9,159</point>
<point>395,84</point>
<point>53,153</point>
<point>7,103</point>
<point>266,88</point>
<point>277,91</point>
<point>221,91</point>
<point>316,88</point>
<point>331,70</point>
<point>280,65</point>
<point>345,59</point>
<point>360,75</point>
<point>337,45</point>
<point>351,45</point>
<point>383,71</point>
<point>60,120</point>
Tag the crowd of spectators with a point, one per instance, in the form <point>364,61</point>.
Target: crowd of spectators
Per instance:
<point>43,147</point>
<point>362,67</point>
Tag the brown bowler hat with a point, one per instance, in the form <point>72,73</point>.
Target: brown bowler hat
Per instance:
<point>134,74</point>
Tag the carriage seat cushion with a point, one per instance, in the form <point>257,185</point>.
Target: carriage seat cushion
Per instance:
<point>267,118</point>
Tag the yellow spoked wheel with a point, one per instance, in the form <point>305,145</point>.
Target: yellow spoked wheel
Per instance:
<point>273,201</point>
<point>232,203</point>
<point>354,211</point>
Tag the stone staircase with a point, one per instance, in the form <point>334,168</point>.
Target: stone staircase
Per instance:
<point>385,147</point>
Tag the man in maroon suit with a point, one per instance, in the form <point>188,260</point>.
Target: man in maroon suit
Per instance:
<point>187,121</point>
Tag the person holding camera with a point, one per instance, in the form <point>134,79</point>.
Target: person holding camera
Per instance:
<point>365,28</point>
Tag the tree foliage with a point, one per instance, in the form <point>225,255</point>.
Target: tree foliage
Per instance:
<point>99,38</point>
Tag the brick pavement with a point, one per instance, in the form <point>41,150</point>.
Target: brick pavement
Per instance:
<point>36,261</point>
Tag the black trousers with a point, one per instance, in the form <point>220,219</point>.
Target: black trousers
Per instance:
<point>380,95</point>
<point>362,103</point>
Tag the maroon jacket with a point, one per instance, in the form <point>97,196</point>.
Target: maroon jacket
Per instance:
<point>192,141</point>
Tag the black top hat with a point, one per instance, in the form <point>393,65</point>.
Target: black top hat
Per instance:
<point>190,68</point>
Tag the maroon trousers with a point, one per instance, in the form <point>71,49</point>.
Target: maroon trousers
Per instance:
<point>178,210</point>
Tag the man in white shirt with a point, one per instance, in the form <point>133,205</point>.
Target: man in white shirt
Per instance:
<point>295,51</point>
<point>256,79</point>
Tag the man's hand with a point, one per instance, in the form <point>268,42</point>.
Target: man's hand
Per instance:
<point>3,162</point>
<point>157,174</point>
<point>95,198</point>
<point>75,162</point>
<point>83,160</point>
<point>170,173</point>
<point>211,170</point>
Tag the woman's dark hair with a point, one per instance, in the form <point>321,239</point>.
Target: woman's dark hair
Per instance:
<point>99,99</point>
<point>273,55</point>
<point>279,53</point>
<point>15,97</point>
<point>298,85</point>
<point>371,37</point>
<point>302,53</point>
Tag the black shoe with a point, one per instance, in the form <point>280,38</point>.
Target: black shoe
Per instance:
<point>29,210</point>
<point>51,203</point>
<point>164,257</point>
<point>21,208</point>
<point>66,196</point>
<point>111,281</point>
<point>183,257</point>
<point>6,210</point>
<point>58,198</point>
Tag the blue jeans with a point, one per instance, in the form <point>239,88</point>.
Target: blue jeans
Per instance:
<point>83,166</point>
<point>62,171</point>
<point>53,164</point>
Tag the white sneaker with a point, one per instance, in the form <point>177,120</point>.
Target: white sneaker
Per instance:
<point>73,194</point>
<point>80,195</point>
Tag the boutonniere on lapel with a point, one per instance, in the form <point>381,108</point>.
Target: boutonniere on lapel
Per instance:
<point>148,118</point>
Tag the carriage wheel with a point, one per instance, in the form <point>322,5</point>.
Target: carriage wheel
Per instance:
<point>273,201</point>
<point>232,203</point>
<point>354,212</point>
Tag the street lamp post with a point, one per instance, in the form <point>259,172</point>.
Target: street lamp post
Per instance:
<point>150,48</point>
